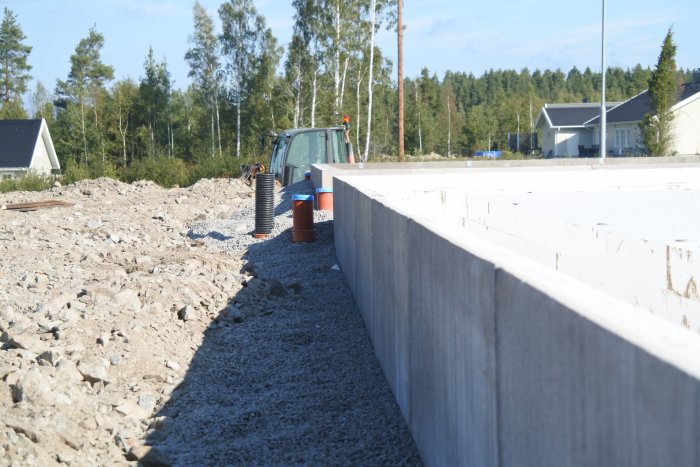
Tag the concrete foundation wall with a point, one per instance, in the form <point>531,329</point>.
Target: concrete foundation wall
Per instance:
<point>497,360</point>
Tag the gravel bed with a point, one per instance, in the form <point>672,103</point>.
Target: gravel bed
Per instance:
<point>297,383</point>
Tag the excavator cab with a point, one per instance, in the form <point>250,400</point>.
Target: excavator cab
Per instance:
<point>295,150</point>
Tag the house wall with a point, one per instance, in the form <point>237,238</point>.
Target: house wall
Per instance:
<point>9,173</point>
<point>547,140</point>
<point>40,160</point>
<point>620,146</point>
<point>687,129</point>
<point>568,141</point>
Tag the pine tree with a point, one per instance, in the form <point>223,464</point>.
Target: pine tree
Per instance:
<point>81,92</point>
<point>657,125</point>
<point>14,68</point>
<point>154,96</point>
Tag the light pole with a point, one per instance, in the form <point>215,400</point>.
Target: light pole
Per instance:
<point>603,116</point>
<point>400,77</point>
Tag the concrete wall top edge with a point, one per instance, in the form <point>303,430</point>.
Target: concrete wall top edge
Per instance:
<point>531,181</point>
<point>535,164</point>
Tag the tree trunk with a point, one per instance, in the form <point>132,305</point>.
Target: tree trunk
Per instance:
<point>342,82</point>
<point>336,71</point>
<point>238,124</point>
<point>373,14</point>
<point>82,123</point>
<point>420,132</point>
<point>449,125</point>
<point>218,125</point>
<point>357,119</point>
<point>297,98</point>
<point>213,149</point>
<point>97,126</point>
<point>122,132</point>
<point>313,99</point>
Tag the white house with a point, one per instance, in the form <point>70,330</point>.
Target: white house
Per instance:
<point>623,133</point>
<point>563,130</point>
<point>26,145</point>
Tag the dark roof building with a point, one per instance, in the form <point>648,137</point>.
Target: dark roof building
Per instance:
<point>634,109</point>
<point>563,128</point>
<point>26,145</point>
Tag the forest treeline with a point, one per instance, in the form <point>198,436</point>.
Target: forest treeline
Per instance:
<point>244,85</point>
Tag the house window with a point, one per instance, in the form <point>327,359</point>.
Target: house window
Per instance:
<point>623,138</point>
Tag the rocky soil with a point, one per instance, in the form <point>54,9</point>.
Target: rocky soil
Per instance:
<point>146,325</point>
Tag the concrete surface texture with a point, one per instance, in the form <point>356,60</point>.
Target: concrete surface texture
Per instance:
<point>532,316</point>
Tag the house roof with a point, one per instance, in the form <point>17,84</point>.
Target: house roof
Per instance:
<point>570,115</point>
<point>18,139</point>
<point>634,109</point>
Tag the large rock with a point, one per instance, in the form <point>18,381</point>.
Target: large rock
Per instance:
<point>187,313</point>
<point>148,456</point>
<point>36,387</point>
<point>94,371</point>
<point>128,299</point>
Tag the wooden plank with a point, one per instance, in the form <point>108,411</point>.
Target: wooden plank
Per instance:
<point>33,206</point>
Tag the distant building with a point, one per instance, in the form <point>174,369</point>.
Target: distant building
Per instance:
<point>563,130</point>
<point>624,136</point>
<point>26,145</point>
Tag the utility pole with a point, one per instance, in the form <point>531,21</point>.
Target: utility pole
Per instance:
<point>400,78</point>
<point>603,116</point>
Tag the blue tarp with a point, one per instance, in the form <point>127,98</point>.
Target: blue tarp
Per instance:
<point>493,154</point>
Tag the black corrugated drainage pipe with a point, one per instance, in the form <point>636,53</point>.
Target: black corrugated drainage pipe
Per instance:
<point>264,204</point>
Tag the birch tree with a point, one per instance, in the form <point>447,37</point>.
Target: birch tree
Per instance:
<point>244,41</point>
<point>203,59</point>
<point>376,9</point>
<point>370,82</point>
<point>124,94</point>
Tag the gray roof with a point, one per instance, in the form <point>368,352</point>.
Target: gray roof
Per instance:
<point>634,109</point>
<point>573,115</point>
<point>18,139</point>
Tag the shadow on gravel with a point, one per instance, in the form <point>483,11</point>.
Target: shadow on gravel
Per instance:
<point>295,381</point>
<point>214,235</point>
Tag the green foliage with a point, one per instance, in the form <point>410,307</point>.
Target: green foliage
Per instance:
<point>227,167</point>
<point>30,182</point>
<point>73,172</point>
<point>163,171</point>
<point>657,126</point>
<point>12,109</point>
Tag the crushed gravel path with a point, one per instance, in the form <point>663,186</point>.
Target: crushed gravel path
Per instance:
<point>296,382</point>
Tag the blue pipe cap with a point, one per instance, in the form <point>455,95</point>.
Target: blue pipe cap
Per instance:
<point>302,197</point>
<point>324,190</point>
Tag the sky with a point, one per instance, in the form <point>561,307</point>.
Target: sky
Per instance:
<point>441,35</point>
